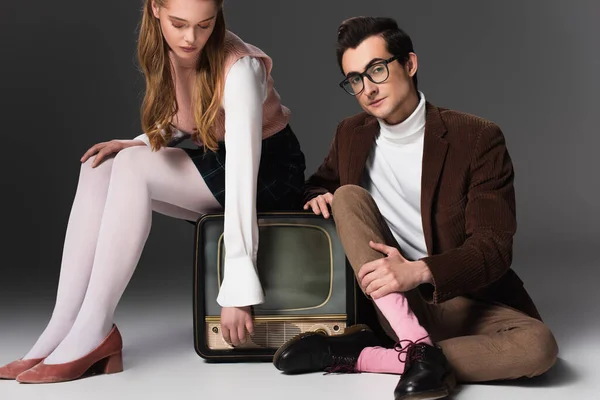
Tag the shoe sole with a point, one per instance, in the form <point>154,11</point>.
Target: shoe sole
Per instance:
<point>300,336</point>
<point>449,384</point>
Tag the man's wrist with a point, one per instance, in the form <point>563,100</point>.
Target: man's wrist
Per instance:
<point>424,272</point>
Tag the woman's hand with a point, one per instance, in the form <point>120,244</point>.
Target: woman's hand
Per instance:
<point>106,149</point>
<point>235,322</point>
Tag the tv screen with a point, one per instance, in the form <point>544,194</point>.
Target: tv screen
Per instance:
<point>299,274</point>
<point>301,265</point>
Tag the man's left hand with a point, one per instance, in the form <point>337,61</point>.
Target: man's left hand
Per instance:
<point>392,273</point>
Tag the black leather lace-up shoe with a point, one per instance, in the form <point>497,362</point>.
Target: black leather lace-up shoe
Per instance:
<point>427,374</point>
<point>313,351</point>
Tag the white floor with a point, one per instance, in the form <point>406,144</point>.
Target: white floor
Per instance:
<point>160,362</point>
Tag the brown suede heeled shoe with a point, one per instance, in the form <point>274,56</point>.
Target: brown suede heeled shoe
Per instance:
<point>106,359</point>
<point>13,369</point>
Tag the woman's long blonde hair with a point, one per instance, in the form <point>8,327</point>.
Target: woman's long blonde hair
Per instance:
<point>160,104</point>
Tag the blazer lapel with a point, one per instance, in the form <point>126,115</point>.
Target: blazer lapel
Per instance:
<point>360,147</point>
<point>434,154</point>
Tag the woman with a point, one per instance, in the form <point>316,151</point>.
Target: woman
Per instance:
<point>205,83</point>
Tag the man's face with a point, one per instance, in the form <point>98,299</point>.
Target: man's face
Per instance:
<point>391,100</point>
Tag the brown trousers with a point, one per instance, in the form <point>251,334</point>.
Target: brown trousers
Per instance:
<point>482,342</point>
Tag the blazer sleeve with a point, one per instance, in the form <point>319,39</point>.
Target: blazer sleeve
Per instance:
<point>490,219</point>
<point>327,177</point>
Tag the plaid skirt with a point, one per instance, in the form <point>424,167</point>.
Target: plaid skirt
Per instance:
<point>280,183</point>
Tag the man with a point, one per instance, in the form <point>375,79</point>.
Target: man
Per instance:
<point>424,205</point>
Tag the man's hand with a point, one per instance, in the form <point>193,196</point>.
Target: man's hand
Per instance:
<point>106,149</point>
<point>392,273</point>
<point>235,321</point>
<point>319,204</point>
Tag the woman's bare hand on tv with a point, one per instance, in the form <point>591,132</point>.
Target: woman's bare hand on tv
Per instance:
<point>235,323</point>
<point>320,204</point>
<point>106,149</point>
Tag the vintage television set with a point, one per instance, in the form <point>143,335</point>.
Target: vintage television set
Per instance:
<point>308,284</point>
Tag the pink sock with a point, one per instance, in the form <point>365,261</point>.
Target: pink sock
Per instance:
<point>403,321</point>
<point>379,360</point>
<point>405,324</point>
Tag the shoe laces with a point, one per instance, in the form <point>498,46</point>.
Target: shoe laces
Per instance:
<point>342,365</point>
<point>411,351</point>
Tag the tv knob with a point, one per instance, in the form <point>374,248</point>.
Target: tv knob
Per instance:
<point>322,329</point>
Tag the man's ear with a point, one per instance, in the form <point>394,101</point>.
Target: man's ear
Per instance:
<point>412,65</point>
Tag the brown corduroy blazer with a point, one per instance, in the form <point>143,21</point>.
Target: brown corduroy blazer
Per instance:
<point>467,202</point>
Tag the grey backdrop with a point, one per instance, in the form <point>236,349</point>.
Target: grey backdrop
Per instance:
<point>68,79</point>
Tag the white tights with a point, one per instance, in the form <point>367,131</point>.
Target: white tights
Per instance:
<point>107,229</point>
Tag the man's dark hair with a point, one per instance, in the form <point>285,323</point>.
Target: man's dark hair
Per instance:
<point>352,32</point>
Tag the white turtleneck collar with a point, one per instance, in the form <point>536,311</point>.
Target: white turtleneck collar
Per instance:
<point>407,131</point>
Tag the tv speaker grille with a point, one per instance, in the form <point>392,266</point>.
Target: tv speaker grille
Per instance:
<point>273,334</point>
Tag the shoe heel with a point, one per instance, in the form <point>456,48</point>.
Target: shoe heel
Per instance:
<point>114,364</point>
<point>450,382</point>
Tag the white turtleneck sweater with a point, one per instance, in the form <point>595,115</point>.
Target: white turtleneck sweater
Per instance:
<point>393,177</point>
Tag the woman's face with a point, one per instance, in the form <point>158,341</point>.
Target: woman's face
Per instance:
<point>186,25</point>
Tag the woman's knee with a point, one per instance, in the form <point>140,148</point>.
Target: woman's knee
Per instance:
<point>130,158</point>
<point>101,171</point>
